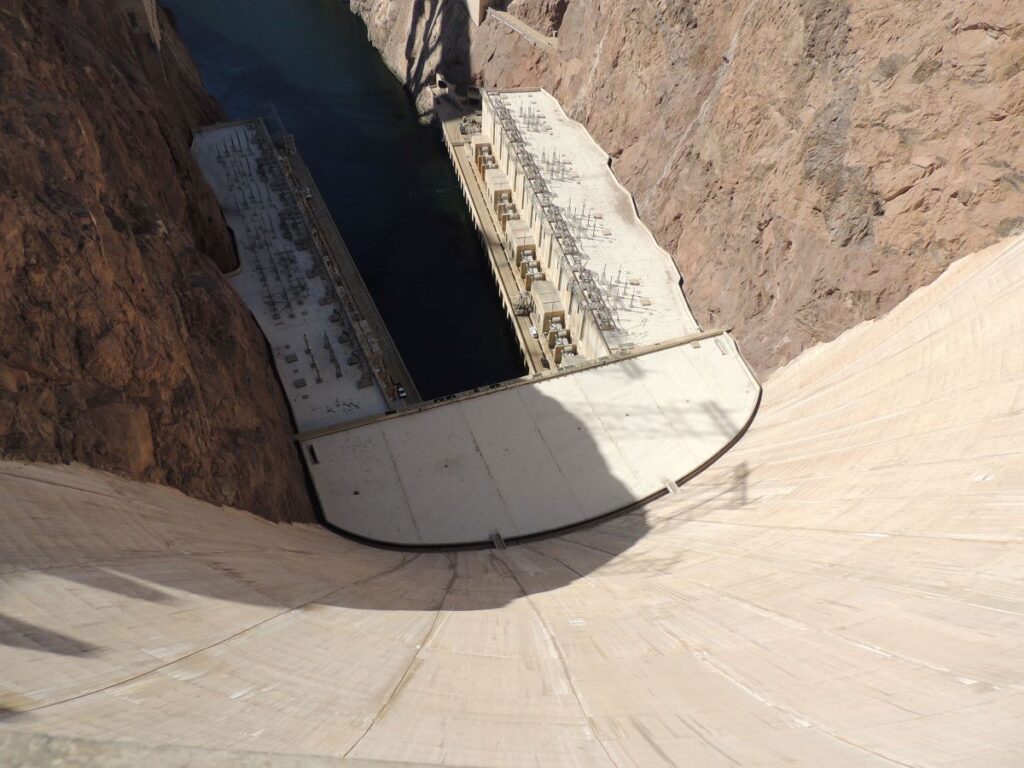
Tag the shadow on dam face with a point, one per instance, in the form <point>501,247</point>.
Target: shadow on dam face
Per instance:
<point>516,463</point>
<point>150,546</point>
<point>156,549</point>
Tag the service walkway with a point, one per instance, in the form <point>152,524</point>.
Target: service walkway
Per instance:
<point>359,303</point>
<point>524,30</point>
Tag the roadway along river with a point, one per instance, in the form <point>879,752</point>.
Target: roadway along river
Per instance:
<point>385,177</point>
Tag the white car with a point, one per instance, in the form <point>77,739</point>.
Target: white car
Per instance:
<point>533,331</point>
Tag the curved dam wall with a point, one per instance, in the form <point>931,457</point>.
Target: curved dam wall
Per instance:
<point>842,589</point>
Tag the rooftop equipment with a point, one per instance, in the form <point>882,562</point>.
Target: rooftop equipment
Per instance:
<point>532,273</point>
<point>520,239</point>
<point>523,305</point>
<point>569,250</point>
<point>563,350</point>
<point>558,338</point>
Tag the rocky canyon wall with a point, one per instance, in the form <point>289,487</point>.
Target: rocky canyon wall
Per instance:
<point>808,162</point>
<point>122,346</point>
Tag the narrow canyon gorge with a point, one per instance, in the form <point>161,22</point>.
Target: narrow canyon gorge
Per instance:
<point>808,163</point>
<point>351,413</point>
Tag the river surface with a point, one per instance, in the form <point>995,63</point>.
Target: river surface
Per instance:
<point>386,177</point>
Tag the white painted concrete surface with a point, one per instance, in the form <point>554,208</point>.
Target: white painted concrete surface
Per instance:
<point>843,589</point>
<point>539,455</point>
<point>477,10</point>
<point>638,279</point>
<point>287,301</point>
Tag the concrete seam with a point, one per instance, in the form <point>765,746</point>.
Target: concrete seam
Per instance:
<point>412,661</point>
<point>563,663</point>
<point>196,652</point>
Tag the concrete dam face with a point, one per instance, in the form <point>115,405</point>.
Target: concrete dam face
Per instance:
<point>842,588</point>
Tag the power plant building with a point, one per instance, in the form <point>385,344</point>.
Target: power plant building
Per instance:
<point>592,295</point>
<point>577,226</point>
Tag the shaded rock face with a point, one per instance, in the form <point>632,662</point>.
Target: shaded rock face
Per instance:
<point>122,346</point>
<point>808,162</point>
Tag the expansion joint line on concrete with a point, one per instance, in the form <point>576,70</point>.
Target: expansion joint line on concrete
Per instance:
<point>583,577</point>
<point>405,561</point>
<point>407,673</point>
<point>839,637</point>
<point>719,668</point>
<point>561,657</point>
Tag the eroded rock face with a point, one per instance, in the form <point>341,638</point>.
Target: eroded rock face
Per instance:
<point>122,346</point>
<point>543,15</point>
<point>808,162</point>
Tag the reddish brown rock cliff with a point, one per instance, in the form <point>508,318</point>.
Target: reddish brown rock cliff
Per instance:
<point>808,162</point>
<point>121,345</point>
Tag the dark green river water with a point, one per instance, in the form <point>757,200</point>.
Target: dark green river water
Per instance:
<point>386,177</point>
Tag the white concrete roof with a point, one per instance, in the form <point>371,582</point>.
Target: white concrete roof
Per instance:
<point>496,180</point>
<point>640,280</point>
<point>842,589</point>
<point>546,296</point>
<point>519,233</point>
<point>538,455</point>
<point>229,156</point>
